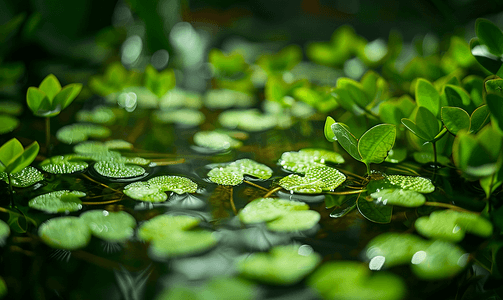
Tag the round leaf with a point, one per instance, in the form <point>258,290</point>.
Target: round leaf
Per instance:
<point>375,143</point>
<point>69,233</point>
<point>110,226</point>
<point>26,177</point>
<point>58,201</point>
<point>115,169</point>
<point>413,183</point>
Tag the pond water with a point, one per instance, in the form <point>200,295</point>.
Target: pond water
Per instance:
<point>128,270</point>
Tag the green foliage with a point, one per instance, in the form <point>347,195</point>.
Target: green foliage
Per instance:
<point>4,232</point>
<point>249,120</point>
<point>99,115</point>
<point>115,79</point>
<point>154,189</point>
<point>8,123</point>
<point>76,133</point>
<point>159,83</point>
<point>118,169</point>
<point>232,174</point>
<point>487,48</point>
<point>284,60</point>
<point>14,158</point>
<point>304,159</point>
<point>373,145</point>
<point>59,201</point>
<point>24,178</point>
<point>230,65</point>
<point>185,117</point>
<point>49,99</point>
<point>282,265</point>
<point>69,233</point>
<point>316,180</point>
<point>110,226</point>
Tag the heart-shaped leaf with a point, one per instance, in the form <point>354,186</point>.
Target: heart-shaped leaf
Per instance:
<point>317,179</point>
<point>76,133</point>
<point>353,280</point>
<point>154,189</point>
<point>24,178</point>
<point>58,201</point>
<point>304,159</point>
<point>282,265</point>
<point>69,233</point>
<point>115,169</point>
<point>110,226</point>
<point>232,174</point>
<point>451,225</point>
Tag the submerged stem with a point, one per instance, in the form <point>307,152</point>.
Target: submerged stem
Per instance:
<point>255,185</point>
<point>102,184</point>
<point>11,191</point>
<point>168,163</point>
<point>231,200</point>
<point>347,192</point>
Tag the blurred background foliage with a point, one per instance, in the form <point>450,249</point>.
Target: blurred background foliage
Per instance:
<point>78,39</point>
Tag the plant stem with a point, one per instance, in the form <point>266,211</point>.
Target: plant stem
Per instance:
<point>102,184</point>
<point>347,192</point>
<point>255,185</point>
<point>48,135</point>
<point>231,200</point>
<point>435,153</point>
<point>272,191</point>
<point>447,205</point>
<point>11,192</point>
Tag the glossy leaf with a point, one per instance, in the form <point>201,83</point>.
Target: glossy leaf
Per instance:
<point>479,118</point>
<point>115,169</point>
<point>306,158</point>
<point>154,189</point>
<point>282,265</point>
<point>232,174</point>
<point>14,158</point>
<point>374,211</point>
<point>69,233</point>
<point>484,57</point>
<point>495,105</point>
<point>375,143</point>
<point>399,197</point>
<point>329,134</point>
<point>411,183</point>
<point>346,139</point>
<point>489,35</point>
<point>59,201</point>
<point>50,86</point>
<point>215,140</point>
<point>66,164</point>
<point>427,96</point>
<point>455,119</point>
<point>24,178</point>
<point>317,179</point>
<point>268,209</point>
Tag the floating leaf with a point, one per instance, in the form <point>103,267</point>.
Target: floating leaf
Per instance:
<point>110,226</point>
<point>412,183</point>
<point>431,260</point>
<point>232,174</point>
<point>187,117</point>
<point>99,115</point>
<point>76,133</point>
<point>451,225</point>
<point>170,236</point>
<point>248,120</point>
<point>222,99</point>
<point>317,179</point>
<point>154,189</point>
<point>69,233</point>
<point>396,155</point>
<point>399,197</point>
<point>215,140</point>
<point>294,221</point>
<point>24,178</point>
<point>375,211</point>
<point>66,164</point>
<point>8,123</point>
<point>353,280</point>
<point>428,157</point>
<point>304,159</point>
<point>282,265</point>
<point>58,201</point>
<point>115,169</point>
<point>11,108</point>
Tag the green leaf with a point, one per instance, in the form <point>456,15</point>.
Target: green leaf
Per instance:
<point>59,201</point>
<point>8,123</point>
<point>317,179</point>
<point>410,125</point>
<point>484,57</point>
<point>455,119</point>
<point>494,86</point>
<point>295,221</point>
<point>489,35</point>
<point>411,183</point>
<point>375,143</point>
<point>9,152</point>
<point>154,189</point>
<point>76,133</point>
<point>393,110</point>
<point>110,226</point>
<point>474,85</point>
<point>306,158</point>
<point>66,164</point>
<point>283,265</point>
<point>374,211</point>
<point>232,174</point>
<point>24,178</point>
<point>392,249</point>
<point>269,209</point>
<point>346,139</point>
<point>399,197</point>
<point>329,134</point>
<point>25,159</point>
<point>423,157</point>
<point>248,120</point>
<point>66,96</point>
<point>355,91</point>
<point>50,86</point>
<point>99,115</point>
<point>440,260</point>
<point>354,280</point>
<point>69,233</point>
<point>160,226</point>
<point>427,96</point>
<point>479,118</point>
<point>451,225</point>
<point>187,117</point>
<point>457,96</point>
<point>495,105</point>
<point>428,123</point>
<point>115,169</point>
<point>13,108</point>
<point>215,140</point>
<point>396,155</point>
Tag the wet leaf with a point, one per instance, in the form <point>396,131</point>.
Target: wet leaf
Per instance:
<point>306,158</point>
<point>69,233</point>
<point>294,221</point>
<point>412,183</point>
<point>353,280</point>
<point>399,197</point>
<point>65,164</point>
<point>375,211</point>
<point>76,133</point>
<point>346,139</point>
<point>187,117</point>
<point>375,143</point>
<point>24,178</point>
<point>110,226</point>
<point>215,140</point>
<point>154,189</point>
<point>451,225</point>
<point>232,174</point>
<point>282,265</point>
<point>317,179</point>
<point>58,201</point>
<point>115,169</point>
